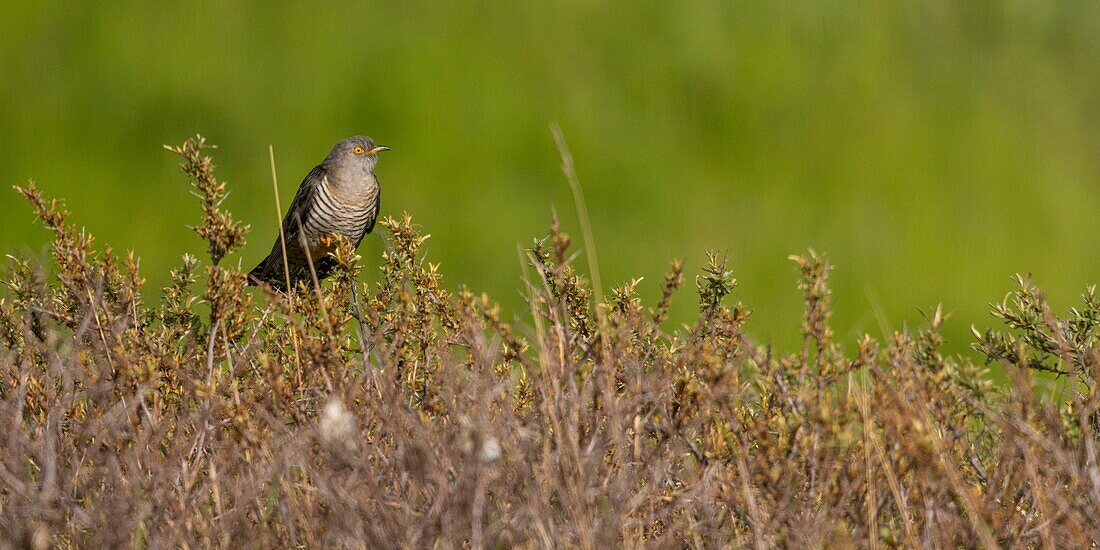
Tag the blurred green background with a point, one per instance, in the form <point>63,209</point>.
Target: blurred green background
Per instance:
<point>931,149</point>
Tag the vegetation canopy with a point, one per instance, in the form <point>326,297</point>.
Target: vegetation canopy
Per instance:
<point>396,412</point>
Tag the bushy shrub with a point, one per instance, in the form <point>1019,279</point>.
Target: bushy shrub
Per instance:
<point>398,413</point>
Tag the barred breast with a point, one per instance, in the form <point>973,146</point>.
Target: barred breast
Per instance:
<point>335,213</point>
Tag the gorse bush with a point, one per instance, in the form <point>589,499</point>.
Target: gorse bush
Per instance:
<point>397,413</point>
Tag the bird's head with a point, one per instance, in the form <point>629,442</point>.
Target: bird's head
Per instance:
<point>355,152</point>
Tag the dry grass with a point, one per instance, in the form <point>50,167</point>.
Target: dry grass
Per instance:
<point>204,419</point>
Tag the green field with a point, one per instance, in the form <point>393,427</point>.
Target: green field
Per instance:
<point>931,149</point>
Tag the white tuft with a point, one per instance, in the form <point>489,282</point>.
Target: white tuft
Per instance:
<point>337,424</point>
<point>490,449</point>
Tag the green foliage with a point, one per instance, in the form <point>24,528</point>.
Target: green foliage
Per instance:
<point>1040,339</point>
<point>435,420</point>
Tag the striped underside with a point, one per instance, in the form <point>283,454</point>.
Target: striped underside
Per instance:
<point>332,214</point>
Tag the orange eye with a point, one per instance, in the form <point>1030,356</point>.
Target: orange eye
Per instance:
<point>359,150</point>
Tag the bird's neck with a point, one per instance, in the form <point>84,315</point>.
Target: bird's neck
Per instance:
<point>353,182</point>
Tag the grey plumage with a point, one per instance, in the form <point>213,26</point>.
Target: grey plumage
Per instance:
<point>340,196</point>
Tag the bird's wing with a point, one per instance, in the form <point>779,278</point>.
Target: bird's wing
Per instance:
<point>270,269</point>
<point>302,204</point>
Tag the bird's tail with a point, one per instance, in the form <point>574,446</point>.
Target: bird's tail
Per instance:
<point>255,277</point>
<point>263,273</point>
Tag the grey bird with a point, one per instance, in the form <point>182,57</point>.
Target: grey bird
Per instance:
<point>340,196</point>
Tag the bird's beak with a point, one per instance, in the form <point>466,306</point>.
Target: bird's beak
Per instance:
<point>379,149</point>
